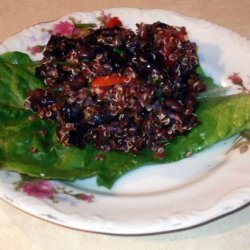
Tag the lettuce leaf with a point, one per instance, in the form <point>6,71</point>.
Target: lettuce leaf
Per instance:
<point>28,144</point>
<point>16,57</point>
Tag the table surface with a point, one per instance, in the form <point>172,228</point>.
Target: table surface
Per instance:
<point>21,231</point>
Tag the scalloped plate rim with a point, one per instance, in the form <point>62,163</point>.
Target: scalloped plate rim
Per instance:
<point>113,228</point>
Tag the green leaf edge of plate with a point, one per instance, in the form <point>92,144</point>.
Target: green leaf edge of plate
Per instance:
<point>28,144</point>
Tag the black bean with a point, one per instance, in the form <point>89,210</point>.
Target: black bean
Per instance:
<point>190,101</point>
<point>70,113</point>
<point>173,105</point>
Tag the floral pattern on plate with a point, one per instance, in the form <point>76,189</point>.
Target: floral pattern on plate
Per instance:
<point>67,28</point>
<point>155,198</point>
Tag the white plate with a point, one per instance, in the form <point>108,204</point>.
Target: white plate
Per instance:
<point>151,199</point>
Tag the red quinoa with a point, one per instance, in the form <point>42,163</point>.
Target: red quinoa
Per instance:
<point>155,107</point>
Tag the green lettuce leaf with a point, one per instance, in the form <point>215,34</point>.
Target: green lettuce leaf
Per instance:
<point>21,59</point>
<point>16,57</point>
<point>28,144</point>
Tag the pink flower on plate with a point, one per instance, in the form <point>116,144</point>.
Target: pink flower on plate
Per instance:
<point>235,78</point>
<point>85,197</point>
<point>40,189</point>
<point>63,28</point>
<point>36,49</point>
<point>104,18</point>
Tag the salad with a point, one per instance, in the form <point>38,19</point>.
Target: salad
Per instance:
<point>105,100</point>
<point>118,89</point>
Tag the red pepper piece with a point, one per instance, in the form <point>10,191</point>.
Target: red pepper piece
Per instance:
<point>106,81</point>
<point>114,21</point>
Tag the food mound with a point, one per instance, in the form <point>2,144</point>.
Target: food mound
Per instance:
<point>118,89</point>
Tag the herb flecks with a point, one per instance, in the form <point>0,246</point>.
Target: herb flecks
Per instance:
<point>85,25</point>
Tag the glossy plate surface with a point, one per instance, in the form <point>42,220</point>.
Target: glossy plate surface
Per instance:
<point>151,199</point>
